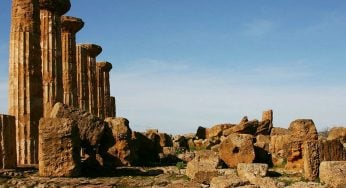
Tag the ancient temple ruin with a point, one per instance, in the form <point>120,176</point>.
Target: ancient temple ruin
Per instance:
<point>46,66</point>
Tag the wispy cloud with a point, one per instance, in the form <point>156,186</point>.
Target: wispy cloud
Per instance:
<point>258,28</point>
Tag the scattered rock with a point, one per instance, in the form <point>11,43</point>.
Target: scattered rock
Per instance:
<point>253,169</point>
<point>228,181</point>
<point>203,167</point>
<point>278,131</point>
<point>332,150</point>
<point>311,160</point>
<point>337,133</point>
<point>333,173</point>
<point>237,148</point>
<point>59,148</point>
<point>122,133</point>
<point>217,130</point>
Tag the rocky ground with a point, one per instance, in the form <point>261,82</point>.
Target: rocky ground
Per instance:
<point>148,177</point>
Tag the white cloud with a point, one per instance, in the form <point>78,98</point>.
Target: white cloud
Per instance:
<point>180,102</point>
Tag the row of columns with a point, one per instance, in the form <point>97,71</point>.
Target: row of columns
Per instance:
<point>46,66</point>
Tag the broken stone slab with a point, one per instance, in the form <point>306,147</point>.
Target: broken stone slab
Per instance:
<point>217,130</point>
<point>253,169</point>
<point>122,134</point>
<point>333,173</point>
<point>8,142</point>
<point>203,167</point>
<point>91,128</point>
<point>311,159</point>
<point>237,148</point>
<point>301,130</point>
<point>332,150</point>
<point>59,148</point>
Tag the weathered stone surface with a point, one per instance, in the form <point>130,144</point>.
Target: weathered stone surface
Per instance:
<point>217,130</point>
<point>59,148</point>
<point>278,131</point>
<point>51,51</point>
<point>123,140</point>
<point>113,107</point>
<point>228,181</point>
<point>237,148</point>
<point>262,182</point>
<point>8,159</point>
<point>337,133</point>
<point>333,173</point>
<point>253,169</point>
<point>82,77</point>
<point>244,127</point>
<point>268,115</point>
<point>60,7</point>
<point>165,140</point>
<point>332,150</point>
<point>25,78</point>
<point>93,51</point>
<point>203,167</point>
<point>69,27</point>
<point>201,133</point>
<point>311,159</point>
<point>180,142</point>
<point>278,147</point>
<point>91,128</point>
<point>103,89</point>
<point>145,149</point>
<point>301,130</point>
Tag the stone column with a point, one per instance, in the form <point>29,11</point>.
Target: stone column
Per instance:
<point>69,27</point>
<point>103,88</point>
<point>93,51</point>
<point>7,142</point>
<point>50,15</point>
<point>112,107</point>
<point>82,77</point>
<point>25,77</point>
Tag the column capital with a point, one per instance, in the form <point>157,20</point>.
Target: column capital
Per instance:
<point>71,24</point>
<point>57,6</point>
<point>104,65</point>
<point>92,49</point>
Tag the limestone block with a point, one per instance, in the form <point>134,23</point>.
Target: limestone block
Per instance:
<point>203,167</point>
<point>254,169</point>
<point>311,159</point>
<point>333,173</point>
<point>237,148</point>
<point>122,133</point>
<point>59,148</point>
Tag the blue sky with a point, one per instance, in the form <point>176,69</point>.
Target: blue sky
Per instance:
<point>182,64</point>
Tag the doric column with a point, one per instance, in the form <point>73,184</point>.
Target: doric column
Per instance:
<point>7,142</point>
<point>25,78</point>
<point>93,50</point>
<point>82,77</point>
<point>69,27</point>
<point>112,107</point>
<point>103,88</point>
<point>50,16</point>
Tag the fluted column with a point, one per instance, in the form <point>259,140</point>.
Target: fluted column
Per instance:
<point>69,27</point>
<point>50,16</point>
<point>93,51</point>
<point>25,78</point>
<point>112,107</point>
<point>82,77</point>
<point>103,88</point>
